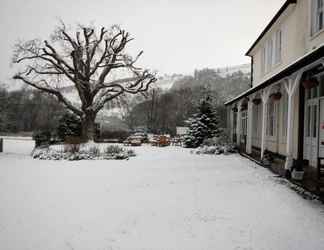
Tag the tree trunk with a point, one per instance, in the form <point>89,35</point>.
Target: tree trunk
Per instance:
<point>88,127</point>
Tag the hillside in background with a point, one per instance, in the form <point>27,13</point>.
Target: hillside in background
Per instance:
<point>165,109</point>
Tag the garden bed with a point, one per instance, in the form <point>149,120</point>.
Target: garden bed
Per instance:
<point>87,151</point>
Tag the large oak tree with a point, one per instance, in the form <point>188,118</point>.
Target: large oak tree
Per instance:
<point>93,61</point>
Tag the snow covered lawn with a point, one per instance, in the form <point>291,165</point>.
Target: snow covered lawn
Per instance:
<point>165,198</point>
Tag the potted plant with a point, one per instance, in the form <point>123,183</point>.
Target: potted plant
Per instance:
<point>310,82</point>
<point>267,158</point>
<point>297,173</point>
<point>275,96</point>
<point>256,101</point>
<point>234,109</point>
<point>244,106</point>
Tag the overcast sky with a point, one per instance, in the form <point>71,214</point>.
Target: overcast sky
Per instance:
<point>177,36</point>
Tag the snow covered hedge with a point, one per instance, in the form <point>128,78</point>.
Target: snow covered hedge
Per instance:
<point>215,150</point>
<point>216,146</point>
<point>82,152</point>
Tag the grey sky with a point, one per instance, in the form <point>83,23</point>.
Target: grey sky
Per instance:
<point>177,36</point>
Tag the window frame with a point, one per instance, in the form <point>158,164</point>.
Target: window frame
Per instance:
<point>271,129</point>
<point>317,12</point>
<point>271,52</point>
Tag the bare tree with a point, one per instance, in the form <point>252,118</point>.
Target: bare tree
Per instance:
<point>94,62</point>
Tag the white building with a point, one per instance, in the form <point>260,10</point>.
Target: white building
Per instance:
<point>283,111</point>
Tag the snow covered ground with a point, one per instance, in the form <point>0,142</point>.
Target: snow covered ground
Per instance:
<point>165,198</point>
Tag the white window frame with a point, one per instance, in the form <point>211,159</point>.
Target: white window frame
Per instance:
<point>271,52</point>
<point>284,116</point>
<point>271,120</point>
<point>263,60</point>
<point>278,47</point>
<point>317,17</point>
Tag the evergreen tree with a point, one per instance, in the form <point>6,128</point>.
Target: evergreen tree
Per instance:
<point>69,125</point>
<point>202,125</point>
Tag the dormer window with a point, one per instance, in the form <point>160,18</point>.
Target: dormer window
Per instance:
<point>317,16</point>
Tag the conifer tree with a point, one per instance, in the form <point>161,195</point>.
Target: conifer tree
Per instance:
<point>202,125</point>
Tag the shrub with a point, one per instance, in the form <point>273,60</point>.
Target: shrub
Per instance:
<point>71,148</point>
<point>94,151</point>
<point>69,125</point>
<point>42,138</point>
<point>113,150</point>
<point>131,153</point>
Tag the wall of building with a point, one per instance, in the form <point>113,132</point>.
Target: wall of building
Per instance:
<point>278,142</point>
<point>297,40</point>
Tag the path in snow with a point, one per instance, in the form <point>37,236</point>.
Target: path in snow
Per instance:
<point>165,198</point>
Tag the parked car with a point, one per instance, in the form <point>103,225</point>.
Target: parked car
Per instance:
<point>161,141</point>
<point>133,141</point>
<point>142,136</point>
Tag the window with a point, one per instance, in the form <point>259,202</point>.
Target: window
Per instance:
<point>308,127</point>
<point>314,132</point>
<point>317,16</point>
<point>234,122</point>
<point>284,115</point>
<point>278,47</point>
<point>271,52</point>
<point>244,122</point>
<point>263,60</point>
<point>271,112</point>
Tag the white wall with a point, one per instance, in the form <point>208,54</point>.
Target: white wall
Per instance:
<point>297,41</point>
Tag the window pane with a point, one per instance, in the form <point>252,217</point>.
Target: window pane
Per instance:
<point>314,121</point>
<point>284,115</point>
<point>308,122</point>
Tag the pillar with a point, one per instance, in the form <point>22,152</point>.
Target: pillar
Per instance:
<point>249,126</point>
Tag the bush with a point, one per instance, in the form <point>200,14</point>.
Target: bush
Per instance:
<point>71,148</point>
<point>94,151</point>
<point>42,138</point>
<point>131,153</point>
<point>113,149</point>
<point>69,125</point>
<point>73,152</point>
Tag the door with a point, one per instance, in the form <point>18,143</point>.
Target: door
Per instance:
<point>243,134</point>
<point>311,130</point>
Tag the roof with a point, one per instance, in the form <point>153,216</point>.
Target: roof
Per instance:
<point>287,71</point>
<point>268,27</point>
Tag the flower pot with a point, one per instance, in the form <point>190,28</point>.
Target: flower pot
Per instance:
<point>256,101</point>
<point>297,174</point>
<point>244,107</point>
<point>310,83</point>
<point>275,96</point>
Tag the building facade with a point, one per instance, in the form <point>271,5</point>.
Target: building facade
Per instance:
<point>283,111</point>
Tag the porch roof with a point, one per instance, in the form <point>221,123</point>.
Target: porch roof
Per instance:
<point>287,71</point>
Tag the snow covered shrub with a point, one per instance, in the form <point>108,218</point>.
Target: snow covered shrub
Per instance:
<point>131,153</point>
<point>94,151</point>
<point>74,152</point>
<point>72,144</point>
<point>42,138</point>
<point>113,150</point>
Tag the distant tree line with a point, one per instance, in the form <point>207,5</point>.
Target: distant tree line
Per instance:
<point>162,112</point>
<point>28,110</point>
